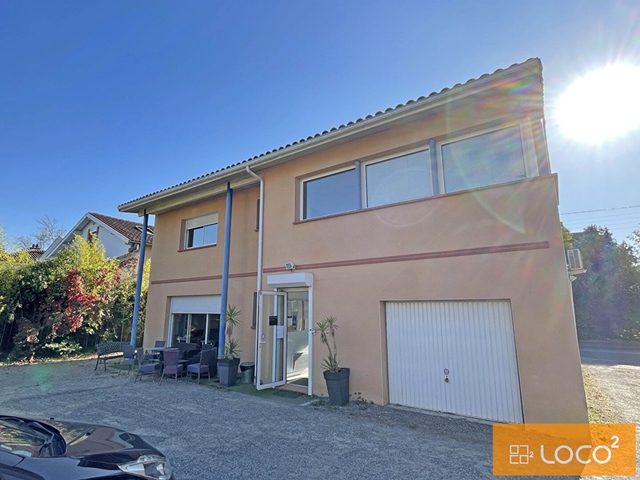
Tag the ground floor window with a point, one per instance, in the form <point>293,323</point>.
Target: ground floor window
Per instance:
<point>195,328</point>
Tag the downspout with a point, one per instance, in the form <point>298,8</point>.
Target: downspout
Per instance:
<point>225,272</point>
<point>136,301</point>
<point>260,225</point>
<point>260,242</point>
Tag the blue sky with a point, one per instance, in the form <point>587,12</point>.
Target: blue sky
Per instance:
<point>102,102</point>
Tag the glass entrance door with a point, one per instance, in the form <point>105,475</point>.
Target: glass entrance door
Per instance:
<point>298,338</point>
<point>272,347</point>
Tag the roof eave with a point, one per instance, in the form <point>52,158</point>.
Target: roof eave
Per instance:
<point>194,190</point>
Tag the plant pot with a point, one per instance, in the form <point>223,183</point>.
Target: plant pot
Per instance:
<point>228,371</point>
<point>338,386</point>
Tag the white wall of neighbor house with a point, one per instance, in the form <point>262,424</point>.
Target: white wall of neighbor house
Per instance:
<point>114,246</point>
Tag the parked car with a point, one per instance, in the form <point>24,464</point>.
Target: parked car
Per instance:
<point>37,449</point>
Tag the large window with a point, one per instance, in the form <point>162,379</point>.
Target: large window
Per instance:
<point>201,231</point>
<point>334,193</point>
<point>399,179</point>
<point>485,158</point>
<point>488,159</point>
<point>195,328</point>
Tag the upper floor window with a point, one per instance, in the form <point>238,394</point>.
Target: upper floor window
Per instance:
<point>398,179</point>
<point>487,159</point>
<point>477,160</point>
<point>335,193</point>
<point>201,231</point>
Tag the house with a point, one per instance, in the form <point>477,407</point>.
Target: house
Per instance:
<point>431,230</point>
<point>120,238</point>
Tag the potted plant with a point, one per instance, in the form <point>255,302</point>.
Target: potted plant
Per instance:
<point>336,377</point>
<point>228,363</point>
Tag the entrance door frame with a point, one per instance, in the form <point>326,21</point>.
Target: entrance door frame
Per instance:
<point>261,333</point>
<point>310,329</point>
<point>296,281</point>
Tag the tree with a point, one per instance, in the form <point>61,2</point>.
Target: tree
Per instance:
<point>48,231</point>
<point>606,297</point>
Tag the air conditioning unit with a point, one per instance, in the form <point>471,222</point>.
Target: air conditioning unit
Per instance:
<point>574,259</point>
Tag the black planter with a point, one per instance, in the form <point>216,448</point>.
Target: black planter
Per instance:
<point>228,371</point>
<point>338,386</point>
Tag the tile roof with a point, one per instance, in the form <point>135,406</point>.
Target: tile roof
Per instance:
<point>400,106</point>
<point>131,230</point>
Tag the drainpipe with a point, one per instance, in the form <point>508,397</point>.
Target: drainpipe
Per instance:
<point>260,242</point>
<point>136,302</point>
<point>260,225</point>
<point>225,271</point>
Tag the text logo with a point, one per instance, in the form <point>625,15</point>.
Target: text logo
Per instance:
<point>564,449</point>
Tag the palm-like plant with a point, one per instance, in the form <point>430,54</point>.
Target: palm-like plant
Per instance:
<point>327,328</point>
<point>231,346</point>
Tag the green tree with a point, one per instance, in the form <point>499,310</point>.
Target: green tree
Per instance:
<point>606,296</point>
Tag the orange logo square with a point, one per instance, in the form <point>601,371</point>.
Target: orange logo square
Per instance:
<point>564,449</point>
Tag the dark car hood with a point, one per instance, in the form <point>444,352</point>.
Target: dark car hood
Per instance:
<point>102,444</point>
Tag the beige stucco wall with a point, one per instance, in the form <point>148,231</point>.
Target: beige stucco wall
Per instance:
<point>179,272</point>
<point>438,230</point>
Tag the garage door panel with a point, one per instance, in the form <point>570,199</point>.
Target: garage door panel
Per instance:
<point>472,340</point>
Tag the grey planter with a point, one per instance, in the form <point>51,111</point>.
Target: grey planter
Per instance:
<point>338,386</point>
<point>228,371</point>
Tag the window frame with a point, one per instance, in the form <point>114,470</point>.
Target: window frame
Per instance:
<point>317,176</point>
<point>196,222</point>
<point>386,158</point>
<point>433,150</point>
<point>527,143</point>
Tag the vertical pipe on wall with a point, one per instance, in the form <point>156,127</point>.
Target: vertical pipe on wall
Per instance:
<point>260,243</point>
<point>225,271</point>
<point>136,301</point>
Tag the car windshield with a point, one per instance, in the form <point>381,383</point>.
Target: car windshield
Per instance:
<point>29,438</point>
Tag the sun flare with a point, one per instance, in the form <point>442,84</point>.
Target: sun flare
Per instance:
<point>602,105</point>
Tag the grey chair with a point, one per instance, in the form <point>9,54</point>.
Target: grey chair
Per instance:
<point>204,365</point>
<point>171,363</point>
<point>129,359</point>
<point>147,367</point>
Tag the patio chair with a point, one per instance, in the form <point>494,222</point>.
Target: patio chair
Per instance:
<point>147,367</point>
<point>171,363</point>
<point>203,366</point>
<point>129,359</point>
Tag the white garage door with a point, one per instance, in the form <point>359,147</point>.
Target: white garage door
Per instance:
<point>456,357</point>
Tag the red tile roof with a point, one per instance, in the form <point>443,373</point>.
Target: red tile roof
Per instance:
<point>131,230</point>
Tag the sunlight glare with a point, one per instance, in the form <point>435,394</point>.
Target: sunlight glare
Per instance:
<point>602,105</point>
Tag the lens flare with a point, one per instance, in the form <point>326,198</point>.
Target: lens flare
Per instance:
<point>602,105</point>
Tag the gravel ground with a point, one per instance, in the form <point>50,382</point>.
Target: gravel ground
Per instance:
<point>616,390</point>
<point>210,432</point>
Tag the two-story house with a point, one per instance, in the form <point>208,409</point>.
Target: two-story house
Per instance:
<point>430,230</point>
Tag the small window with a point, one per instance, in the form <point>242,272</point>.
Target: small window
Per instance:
<point>488,159</point>
<point>399,179</point>
<point>331,194</point>
<point>201,231</point>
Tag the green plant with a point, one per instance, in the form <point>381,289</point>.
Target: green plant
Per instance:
<point>231,346</point>
<point>327,328</point>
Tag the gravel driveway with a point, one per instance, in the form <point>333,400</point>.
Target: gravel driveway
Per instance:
<point>209,432</point>
<point>618,387</point>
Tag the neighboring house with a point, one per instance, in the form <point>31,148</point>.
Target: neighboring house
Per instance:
<point>120,238</point>
<point>431,230</point>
